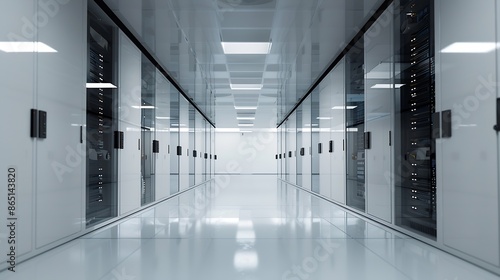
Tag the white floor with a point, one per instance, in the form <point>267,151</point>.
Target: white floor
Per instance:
<point>245,227</point>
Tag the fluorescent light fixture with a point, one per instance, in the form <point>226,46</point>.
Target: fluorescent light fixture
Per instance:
<point>245,107</point>
<point>245,118</point>
<point>143,107</point>
<point>470,47</point>
<point>343,107</point>
<point>176,124</point>
<point>246,47</point>
<point>100,85</point>
<point>246,131</point>
<point>323,118</point>
<point>388,85</point>
<point>246,86</point>
<point>25,47</point>
<point>309,125</point>
<point>245,124</point>
<point>163,118</point>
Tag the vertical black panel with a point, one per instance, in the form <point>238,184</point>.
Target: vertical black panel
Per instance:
<point>34,123</point>
<point>446,124</point>
<point>205,155</point>
<point>279,156</point>
<point>320,148</point>
<point>436,125</point>
<point>195,153</point>
<point>367,140</point>
<point>179,150</point>
<point>289,154</point>
<point>42,124</point>
<point>497,126</point>
<point>156,146</point>
<point>302,151</point>
<point>276,156</point>
<point>215,157</point>
<point>116,139</point>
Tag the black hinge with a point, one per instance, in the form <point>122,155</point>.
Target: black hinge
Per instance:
<point>320,148</point>
<point>390,138</point>
<point>330,146</point>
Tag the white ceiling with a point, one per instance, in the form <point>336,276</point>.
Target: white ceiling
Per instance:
<point>186,35</point>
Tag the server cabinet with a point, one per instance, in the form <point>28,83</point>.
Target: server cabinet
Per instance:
<point>416,187</point>
<point>468,160</point>
<point>355,126</point>
<point>101,160</point>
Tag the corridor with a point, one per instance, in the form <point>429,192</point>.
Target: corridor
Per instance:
<point>245,227</point>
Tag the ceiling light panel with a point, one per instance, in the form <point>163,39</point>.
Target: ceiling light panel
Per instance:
<point>386,86</point>
<point>26,47</point>
<point>246,47</point>
<point>344,107</point>
<point>471,47</point>
<point>246,86</point>
<point>245,107</point>
<point>99,85</point>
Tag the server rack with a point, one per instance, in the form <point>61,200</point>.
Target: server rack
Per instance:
<point>101,160</point>
<point>355,126</point>
<point>416,194</point>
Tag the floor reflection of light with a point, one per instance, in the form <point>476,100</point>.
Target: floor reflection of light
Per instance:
<point>246,260</point>
<point>247,235</point>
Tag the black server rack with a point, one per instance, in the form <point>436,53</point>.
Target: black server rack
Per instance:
<point>417,193</point>
<point>101,158</point>
<point>355,126</point>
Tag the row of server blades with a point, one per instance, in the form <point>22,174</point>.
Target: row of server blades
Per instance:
<point>101,157</point>
<point>417,193</point>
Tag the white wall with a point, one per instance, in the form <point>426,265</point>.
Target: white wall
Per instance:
<point>253,152</point>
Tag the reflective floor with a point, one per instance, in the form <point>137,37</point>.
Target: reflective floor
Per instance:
<point>245,227</point>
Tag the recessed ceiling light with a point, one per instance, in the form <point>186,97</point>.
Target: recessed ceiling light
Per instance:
<point>245,124</point>
<point>246,86</point>
<point>388,85</point>
<point>143,107</point>
<point>246,131</point>
<point>99,85</point>
<point>23,47</point>
<point>245,118</point>
<point>470,47</point>
<point>245,107</point>
<point>343,107</point>
<point>163,118</point>
<point>323,118</point>
<point>246,47</point>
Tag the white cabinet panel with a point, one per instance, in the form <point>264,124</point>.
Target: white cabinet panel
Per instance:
<point>17,146</point>
<point>60,161</point>
<point>324,121</point>
<point>378,116</point>
<point>468,161</point>
<point>162,178</point>
<point>184,143</point>
<point>337,134</point>
<point>129,174</point>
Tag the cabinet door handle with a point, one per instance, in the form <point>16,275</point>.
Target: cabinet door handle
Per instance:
<point>446,124</point>
<point>497,126</point>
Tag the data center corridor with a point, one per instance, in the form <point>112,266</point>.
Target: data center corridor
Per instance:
<point>245,227</point>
